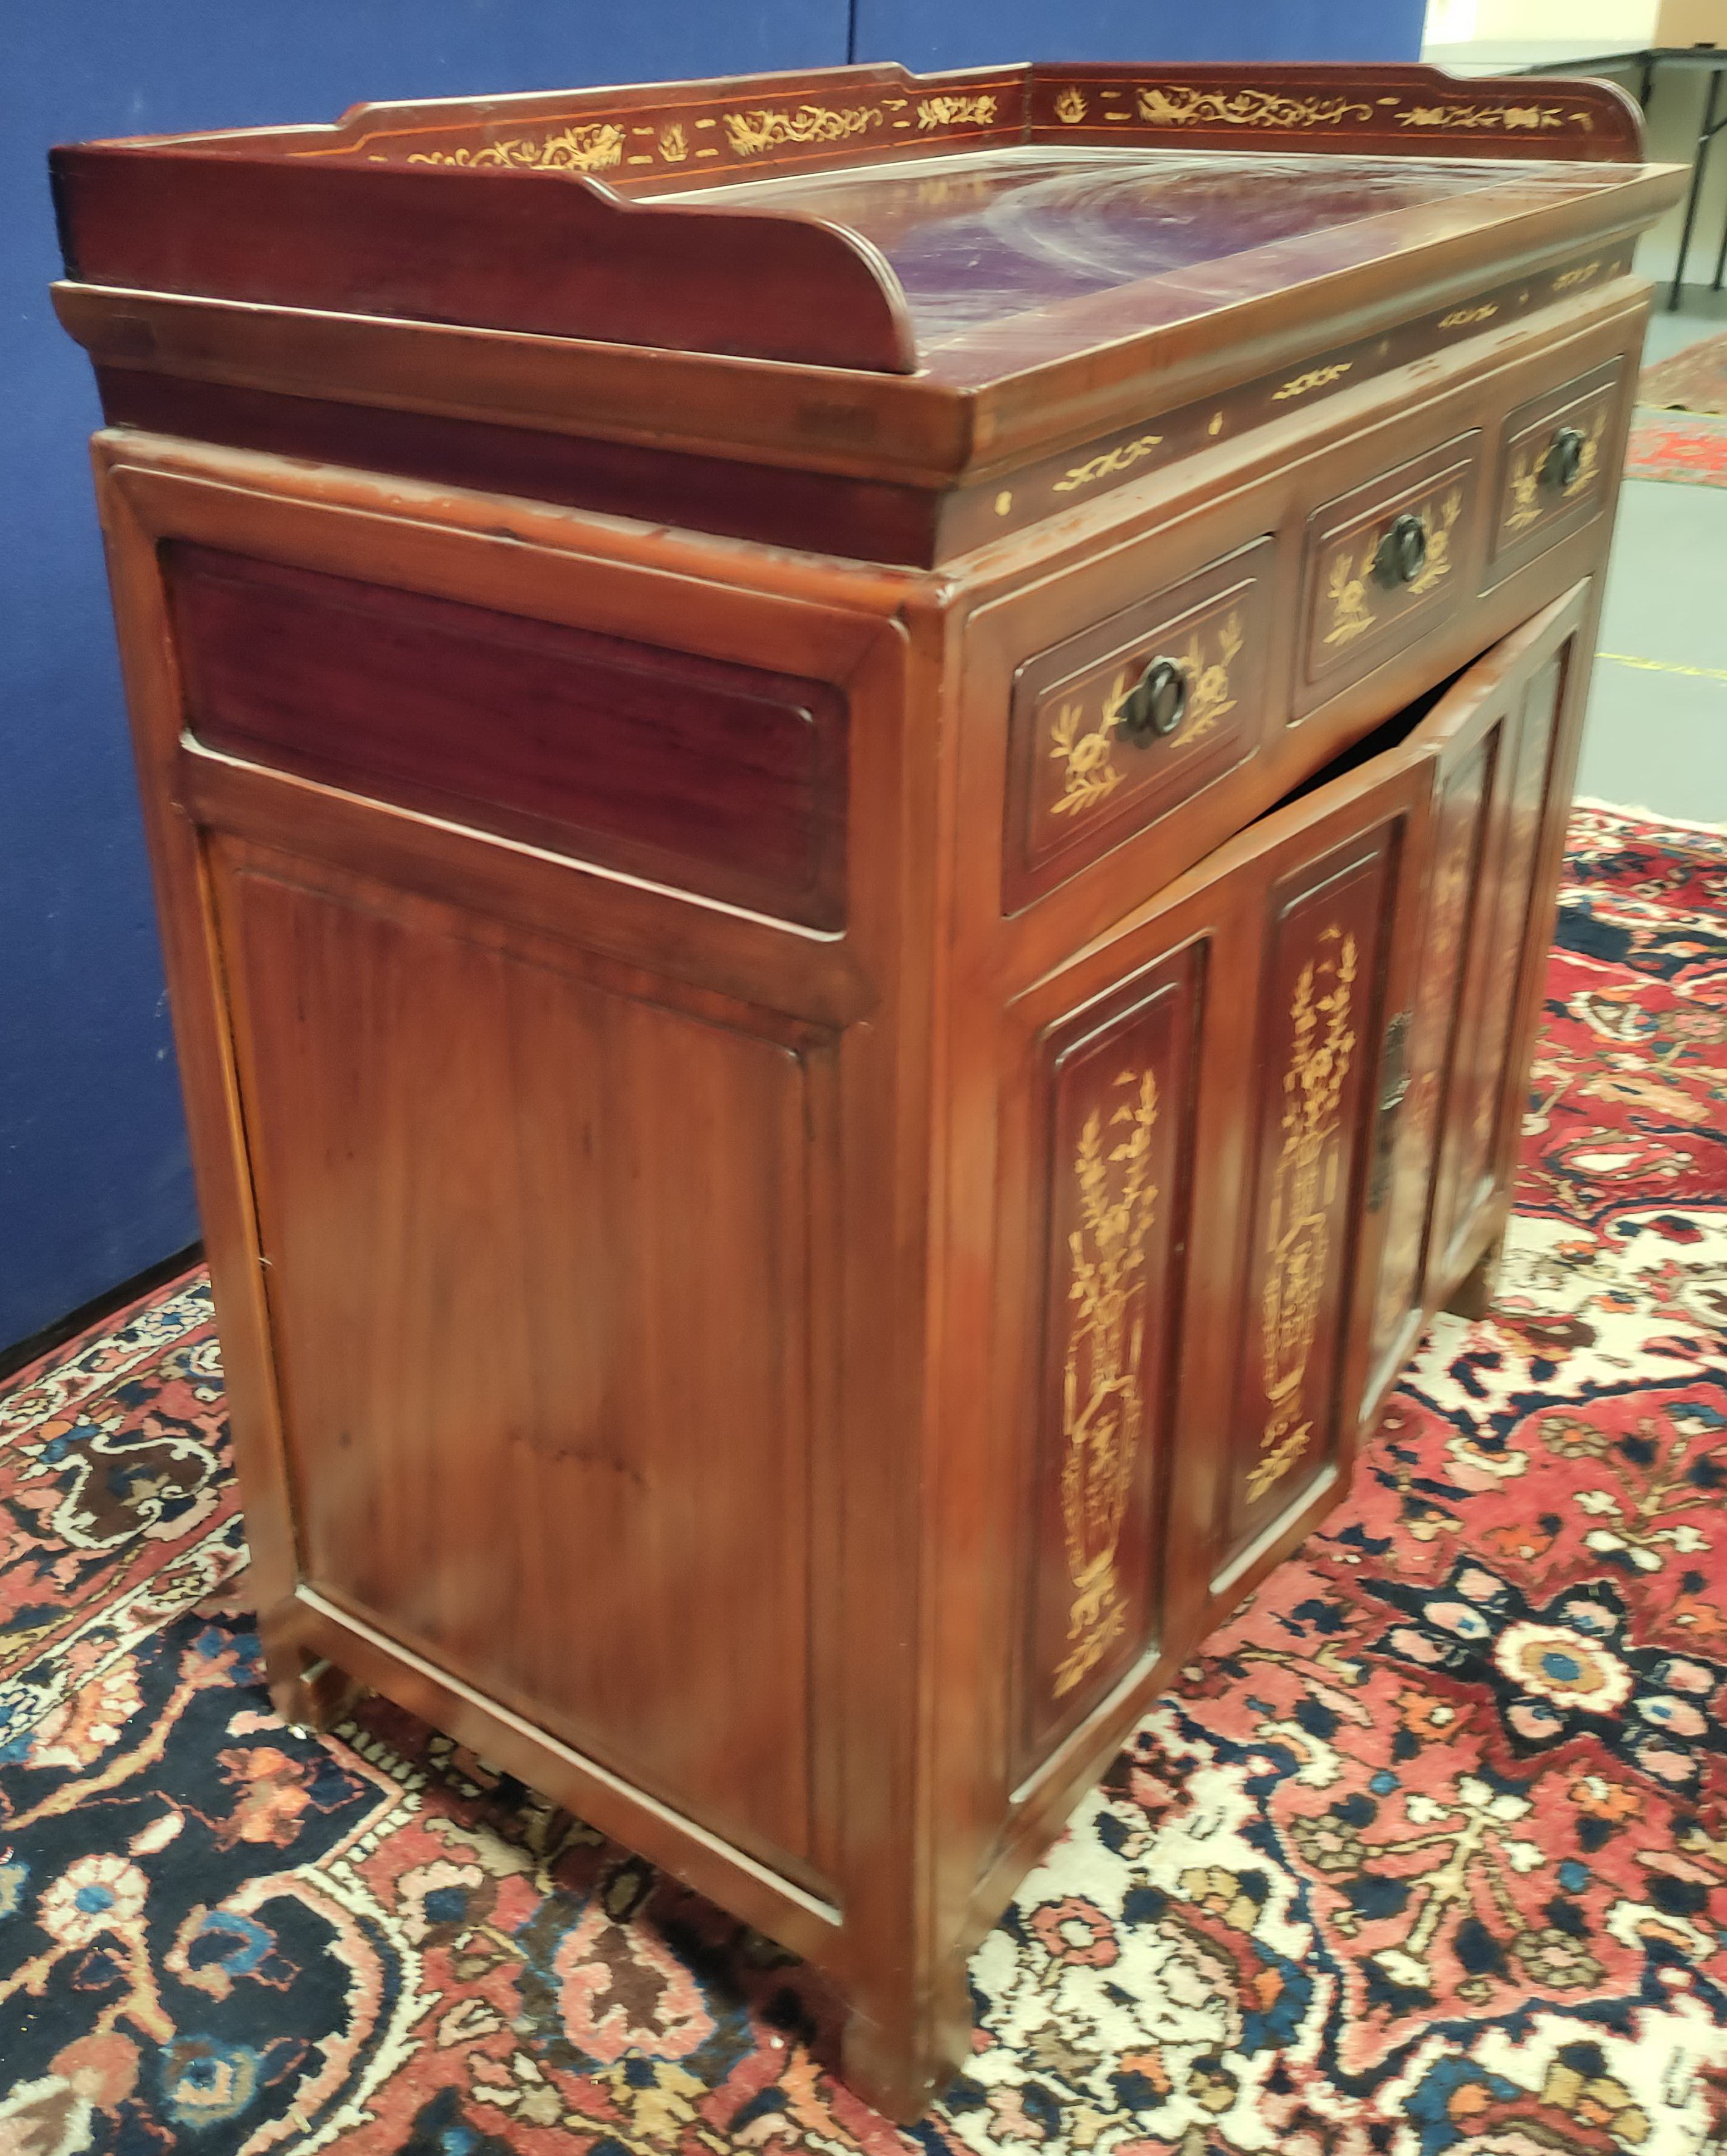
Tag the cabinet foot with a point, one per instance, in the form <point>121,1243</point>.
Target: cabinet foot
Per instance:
<point>307,1692</point>
<point>1473,1295</point>
<point>899,2062</point>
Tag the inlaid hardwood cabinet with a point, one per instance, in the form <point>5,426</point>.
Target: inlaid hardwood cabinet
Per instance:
<point>856,783</point>
<point>1247,1141</point>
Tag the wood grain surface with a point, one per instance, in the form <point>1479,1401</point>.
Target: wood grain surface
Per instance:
<point>797,1210</point>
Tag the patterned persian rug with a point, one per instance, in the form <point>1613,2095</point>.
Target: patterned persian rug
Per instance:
<point>1693,379</point>
<point>1427,1854</point>
<point>1690,448</point>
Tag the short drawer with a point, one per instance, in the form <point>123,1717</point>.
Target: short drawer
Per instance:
<point>1553,458</point>
<point>708,776</point>
<point>1113,727</point>
<point>1386,563</point>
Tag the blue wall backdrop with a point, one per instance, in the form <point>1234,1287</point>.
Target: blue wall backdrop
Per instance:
<point>939,34</point>
<point>94,1180</point>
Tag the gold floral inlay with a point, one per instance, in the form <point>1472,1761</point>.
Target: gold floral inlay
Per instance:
<point>1473,118</point>
<point>1349,588</point>
<point>1530,502</point>
<point>1166,106</point>
<point>1112,461</point>
<point>674,144</point>
<point>1316,377</point>
<point>750,133</point>
<point>1071,106</point>
<point>1461,318</point>
<point>1568,280</point>
<point>955,111</point>
<point>594,148</point>
<point>1089,771</point>
<point>1303,1191</point>
<point>1103,1402</point>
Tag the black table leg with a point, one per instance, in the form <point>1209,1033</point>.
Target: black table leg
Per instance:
<point>1704,142</point>
<point>1721,257</point>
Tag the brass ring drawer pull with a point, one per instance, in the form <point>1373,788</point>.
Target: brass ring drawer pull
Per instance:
<point>1156,704</point>
<point>1563,460</point>
<point>1402,554</point>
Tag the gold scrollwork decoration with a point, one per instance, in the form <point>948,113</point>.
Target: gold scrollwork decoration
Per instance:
<point>955,111</point>
<point>1529,501</point>
<point>1504,118</point>
<point>1346,595</point>
<point>1102,1399</point>
<point>1090,773</point>
<point>1462,318</point>
<point>1168,107</point>
<point>1316,377</point>
<point>1440,522</point>
<point>1208,684</point>
<point>674,144</point>
<point>1106,466</point>
<point>594,148</point>
<point>1071,106</point>
<point>750,133</point>
<point>1304,1190</point>
<point>1349,584</point>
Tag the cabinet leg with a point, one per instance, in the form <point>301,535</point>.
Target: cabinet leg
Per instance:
<point>901,2059</point>
<point>1473,1295</point>
<point>308,1693</point>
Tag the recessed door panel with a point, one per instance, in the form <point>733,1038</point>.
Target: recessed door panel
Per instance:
<point>1328,926</point>
<point>538,1260</point>
<point>1508,922</point>
<point>1118,1081</point>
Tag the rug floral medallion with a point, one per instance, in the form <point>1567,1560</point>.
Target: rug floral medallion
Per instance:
<point>1427,1854</point>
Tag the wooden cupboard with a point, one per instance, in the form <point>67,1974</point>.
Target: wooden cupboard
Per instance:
<point>846,991</point>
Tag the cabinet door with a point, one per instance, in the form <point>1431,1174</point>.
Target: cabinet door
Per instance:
<point>1187,1123</point>
<point>1456,1055</point>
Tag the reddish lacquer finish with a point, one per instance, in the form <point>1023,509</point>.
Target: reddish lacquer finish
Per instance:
<point>727,778</point>
<point>853,842</point>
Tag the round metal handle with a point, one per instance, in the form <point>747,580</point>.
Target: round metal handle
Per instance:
<point>1156,704</point>
<point>1562,461</point>
<point>1402,554</point>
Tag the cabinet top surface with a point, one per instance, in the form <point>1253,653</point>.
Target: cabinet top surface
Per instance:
<point>963,229</point>
<point>872,290</point>
<point>1025,254</point>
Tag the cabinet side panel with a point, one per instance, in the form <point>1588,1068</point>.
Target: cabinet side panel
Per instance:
<point>1318,1037</point>
<point>1119,1112</point>
<point>537,1272</point>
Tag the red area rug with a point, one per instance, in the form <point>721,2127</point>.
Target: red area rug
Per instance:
<point>1688,447</point>
<point>1693,379</point>
<point>1426,1857</point>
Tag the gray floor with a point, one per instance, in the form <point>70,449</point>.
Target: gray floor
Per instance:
<point>1656,735</point>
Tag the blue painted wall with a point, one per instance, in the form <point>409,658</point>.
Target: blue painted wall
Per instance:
<point>939,33</point>
<point>94,1180</point>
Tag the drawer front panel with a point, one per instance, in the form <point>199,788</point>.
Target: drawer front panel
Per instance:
<point>1090,762</point>
<point>714,777</point>
<point>1554,456</point>
<point>1386,563</point>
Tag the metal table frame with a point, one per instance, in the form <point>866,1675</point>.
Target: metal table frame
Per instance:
<point>1648,61</point>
